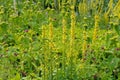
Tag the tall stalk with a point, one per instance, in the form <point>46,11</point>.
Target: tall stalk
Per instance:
<point>96,28</point>
<point>72,37</point>
<point>51,48</point>
<point>63,41</point>
<point>95,34</point>
<point>84,47</point>
<point>45,57</point>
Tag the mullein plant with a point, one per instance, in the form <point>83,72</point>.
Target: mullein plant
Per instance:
<point>72,54</point>
<point>72,32</point>
<point>95,32</point>
<point>45,57</point>
<point>50,48</point>
<point>84,46</point>
<point>64,31</point>
<point>95,28</point>
<point>63,25</point>
<point>50,34</point>
<point>64,38</point>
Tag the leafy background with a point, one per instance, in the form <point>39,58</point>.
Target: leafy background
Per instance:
<point>26,55</point>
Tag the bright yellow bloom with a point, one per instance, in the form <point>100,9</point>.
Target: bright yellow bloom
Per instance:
<point>72,28</point>
<point>51,35</point>
<point>64,31</point>
<point>95,28</point>
<point>84,47</point>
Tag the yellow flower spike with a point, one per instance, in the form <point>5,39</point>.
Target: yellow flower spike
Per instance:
<point>51,35</point>
<point>72,27</point>
<point>64,31</point>
<point>51,31</point>
<point>84,47</point>
<point>95,28</point>
<point>72,33</point>
<point>43,31</point>
<point>45,52</point>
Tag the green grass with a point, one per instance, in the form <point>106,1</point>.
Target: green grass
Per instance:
<point>26,55</point>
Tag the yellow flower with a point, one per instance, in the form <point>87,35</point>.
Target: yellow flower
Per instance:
<point>64,30</point>
<point>51,35</point>
<point>43,31</point>
<point>72,28</point>
<point>84,47</point>
<point>95,28</point>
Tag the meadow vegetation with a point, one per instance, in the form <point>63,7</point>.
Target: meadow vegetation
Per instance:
<point>59,39</point>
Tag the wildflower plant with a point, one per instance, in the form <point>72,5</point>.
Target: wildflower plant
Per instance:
<point>59,40</point>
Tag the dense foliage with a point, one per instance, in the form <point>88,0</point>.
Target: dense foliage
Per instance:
<point>59,39</point>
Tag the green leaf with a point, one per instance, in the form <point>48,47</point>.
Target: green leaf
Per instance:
<point>117,29</point>
<point>3,27</point>
<point>108,36</point>
<point>17,77</point>
<point>112,62</point>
